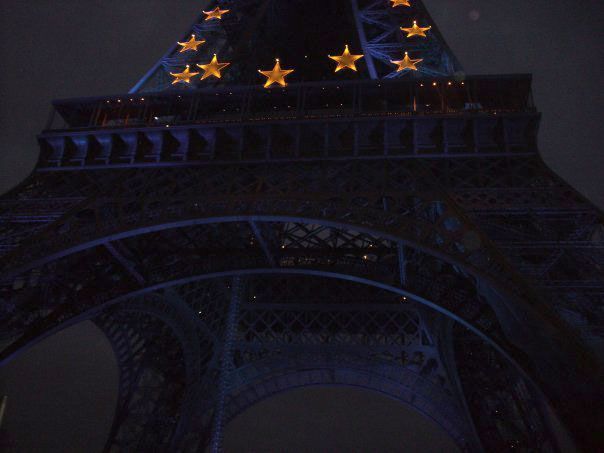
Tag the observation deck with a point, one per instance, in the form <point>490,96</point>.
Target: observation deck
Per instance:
<point>316,120</point>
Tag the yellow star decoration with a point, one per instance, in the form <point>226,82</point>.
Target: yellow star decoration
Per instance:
<point>216,13</point>
<point>346,60</point>
<point>400,3</point>
<point>415,30</point>
<point>407,63</point>
<point>184,77</point>
<point>213,68</point>
<point>191,44</point>
<point>276,75</point>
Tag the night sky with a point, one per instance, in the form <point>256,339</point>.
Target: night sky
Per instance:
<point>66,48</point>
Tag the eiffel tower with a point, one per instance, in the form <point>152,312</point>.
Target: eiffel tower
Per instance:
<point>391,227</point>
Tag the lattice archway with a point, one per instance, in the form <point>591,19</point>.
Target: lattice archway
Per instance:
<point>370,257</point>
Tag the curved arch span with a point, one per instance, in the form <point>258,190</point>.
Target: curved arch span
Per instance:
<point>19,346</point>
<point>282,379</point>
<point>448,258</point>
<point>505,350</point>
<point>484,276</point>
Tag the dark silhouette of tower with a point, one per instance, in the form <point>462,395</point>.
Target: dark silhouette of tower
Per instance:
<point>390,229</point>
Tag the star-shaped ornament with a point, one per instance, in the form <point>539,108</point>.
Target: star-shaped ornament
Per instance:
<point>346,60</point>
<point>276,75</point>
<point>183,77</point>
<point>407,63</point>
<point>191,44</point>
<point>400,3</point>
<point>415,30</point>
<point>216,13</point>
<point>213,68</point>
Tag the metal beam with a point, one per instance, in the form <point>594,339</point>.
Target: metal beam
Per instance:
<point>363,38</point>
<point>263,244</point>
<point>125,262</point>
<point>226,365</point>
<point>402,264</point>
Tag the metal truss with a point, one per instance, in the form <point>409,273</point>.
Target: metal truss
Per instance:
<point>364,255</point>
<point>261,219</point>
<point>452,295</point>
<point>377,26</point>
<point>284,335</point>
<point>152,372</point>
<point>232,242</point>
<point>511,418</point>
<point>382,40</point>
<point>227,36</point>
<point>157,399</point>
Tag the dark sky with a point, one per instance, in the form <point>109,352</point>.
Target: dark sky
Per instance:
<point>65,48</point>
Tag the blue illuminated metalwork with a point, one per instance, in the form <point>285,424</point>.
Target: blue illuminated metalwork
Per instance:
<point>397,232</point>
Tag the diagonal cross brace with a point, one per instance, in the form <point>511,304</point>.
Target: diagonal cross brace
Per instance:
<point>263,244</point>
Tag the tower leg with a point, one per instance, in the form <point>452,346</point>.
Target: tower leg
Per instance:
<point>226,365</point>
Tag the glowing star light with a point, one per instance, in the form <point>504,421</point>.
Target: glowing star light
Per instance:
<point>400,3</point>
<point>276,75</point>
<point>216,13</point>
<point>191,44</point>
<point>213,68</point>
<point>415,30</point>
<point>183,77</point>
<point>346,60</point>
<point>406,63</point>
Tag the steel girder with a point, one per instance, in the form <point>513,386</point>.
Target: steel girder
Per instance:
<point>370,137</point>
<point>154,375</point>
<point>238,33</point>
<point>226,364</point>
<point>386,196</point>
<point>153,391</point>
<point>372,265</point>
<point>228,36</point>
<point>383,41</point>
<point>489,385</point>
<point>494,223</point>
<point>366,338</point>
<point>39,201</point>
<point>301,245</point>
<point>519,187</point>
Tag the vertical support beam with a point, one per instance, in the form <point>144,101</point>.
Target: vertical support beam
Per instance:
<point>3,401</point>
<point>156,138</point>
<point>446,340</point>
<point>105,142</point>
<point>263,244</point>
<point>57,144</point>
<point>183,137</point>
<point>226,365</point>
<point>402,265</point>
<point>128,155</point>
<point>81,145</point>
<point>363,38</point>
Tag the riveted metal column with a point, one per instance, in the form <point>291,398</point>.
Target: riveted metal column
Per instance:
<point>226,365</point>
<point>402,265</point>
<point>363,38</point>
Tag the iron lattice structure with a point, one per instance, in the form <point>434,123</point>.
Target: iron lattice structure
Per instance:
<point>393,231</point>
